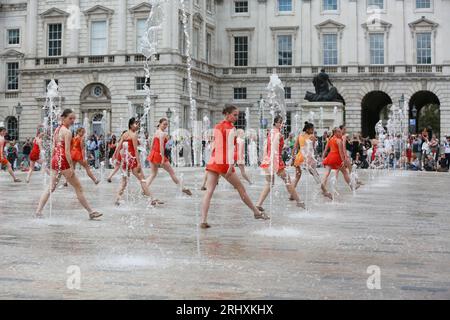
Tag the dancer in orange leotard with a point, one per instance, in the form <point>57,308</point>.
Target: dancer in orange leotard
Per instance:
<point>157,157</point>
<point>3,160</point>
<point>221,165</point>
<point>78,154</point>
<point>62,164</point>
<point>131,163</point>
<point>305,153</point>
<point>239,154</point>
<point>273,164</point>
<point>37,154</point>
<point>334,160</point>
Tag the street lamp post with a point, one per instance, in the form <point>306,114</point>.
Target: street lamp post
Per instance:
<point>414,115</point>
<point>19,109</point>
<point>169,115</point>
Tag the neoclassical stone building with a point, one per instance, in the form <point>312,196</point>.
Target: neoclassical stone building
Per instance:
<point>376,51</point>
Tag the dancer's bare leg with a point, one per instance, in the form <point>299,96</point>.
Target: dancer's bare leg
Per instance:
<point>298,175</point>
<point>234,180</point>
<point>211,183</point>
<point>205,178</point>
<point>89,172</point>
<point>30,172</point>
<point>325,183</point>
<point>265,191</point>
<point>72,179</point>
<point>290,188</point>
<point>244,174</point>
<point>346,176</point>
<point>116,168</point>
<point>11,173</point>
<point>166,166</point>
<point>54,180</point>
<point>153,174</point>
<point>145,189</point>
<point>123,186</point>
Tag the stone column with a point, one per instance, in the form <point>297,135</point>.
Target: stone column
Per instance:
<point>261,36</point>
<point>399,33</point>
<point>306,35</point>
<point>122,27</point>
<point>31,36</point>
<point>351,43</point>
<point>73,27</point>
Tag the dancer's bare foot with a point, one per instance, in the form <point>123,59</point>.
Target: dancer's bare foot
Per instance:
<point>291,198</point>
<point>38,215</point>
<point>203,188</point>
<point>204,225</point>
<point>301,204</point>
<point>187,191</point>
<point>328,195</point>
<point>261,215</point>
<point>95,215</point>
<point>260,208</point>
<point>109,180</point>
<point>17,180</point>
<point>96,182</point>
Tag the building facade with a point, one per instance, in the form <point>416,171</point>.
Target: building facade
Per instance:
<point>376,51</point>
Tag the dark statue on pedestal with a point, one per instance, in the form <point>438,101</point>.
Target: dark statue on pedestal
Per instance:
<point>325,91</point>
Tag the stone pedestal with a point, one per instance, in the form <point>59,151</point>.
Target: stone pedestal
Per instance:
<point>332,115</point>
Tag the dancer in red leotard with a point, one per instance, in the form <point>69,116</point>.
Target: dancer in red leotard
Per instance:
<point>78,154</point>
<point>221,164</point>
<point>273,164</point>
<point>334,160</point>
<point>128,145</point>
<point>157,158</point>
<point>62,164</point>
<point>3,160</point>
<point>117,159</point>
<point>37,153</point>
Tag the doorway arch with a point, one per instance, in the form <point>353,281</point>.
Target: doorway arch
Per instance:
<point>373,106</point>
<point>424,112</point>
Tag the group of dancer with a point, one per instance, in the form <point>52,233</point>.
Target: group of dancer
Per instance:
<point>227,151</point>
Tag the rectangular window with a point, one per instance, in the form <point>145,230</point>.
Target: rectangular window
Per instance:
<point>185,85</point>
<point>13,76</point>
<point>376,48</point>
<point>241,6</point>
<point>288,124</point>
<point>211,92</point>
<point>330,49</point>
<point>284,50</point>
<point>140,82</point>
<point>284,5</point>
<point>240,93</point>
<point>141,25</point>
<point>423,4</point>
<point>13,36</point>
<point>208,47</point>
<point>199,89</point>
<point>288,93</point>
<point>423,48</point>
<point>240,51</point>
<point>330,5</point>
<point>54,39</point>
<point>375,4</point>
<point>196,44</point>
<point>98,38</point>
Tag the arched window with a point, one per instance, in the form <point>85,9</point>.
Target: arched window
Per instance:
<point>11,126</point>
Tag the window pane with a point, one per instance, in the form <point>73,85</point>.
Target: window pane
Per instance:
<point>13,76</point>
<point>424,48</point>
<point>376,4</point>
<point>329,4</point>
<point>140,32</point>
<point>54,39</point>
<point>284,50</point>
<point>284,5</point>
<point>423,4</point>
<point>241,51</point>
<point>240,6</point>
<point>330,49</point>
<point>14,36</point>
<point>240,93</point>
<point>377,48</point>
<point>98,37</point>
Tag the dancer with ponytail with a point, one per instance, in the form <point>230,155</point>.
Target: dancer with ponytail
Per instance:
<point>131,163</point>
<point>37,154</point>
<point>273,164</point>
<point>62,164</point>
<point>157,156</point>
<point>221,165</point>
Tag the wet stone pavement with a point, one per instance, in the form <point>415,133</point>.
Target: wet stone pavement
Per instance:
<point>395,229</point>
